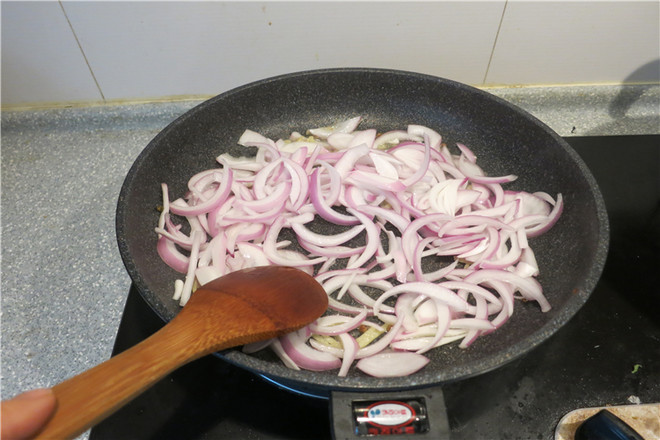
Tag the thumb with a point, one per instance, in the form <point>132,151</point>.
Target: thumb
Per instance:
<point>24,415</point>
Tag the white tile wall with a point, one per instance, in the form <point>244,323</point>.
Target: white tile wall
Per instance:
<point>151,50</point>
<point>576,42</point>
<point>40,58</point>
<point>147,49</point>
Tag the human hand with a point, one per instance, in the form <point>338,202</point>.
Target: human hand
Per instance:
<point>24,415</point>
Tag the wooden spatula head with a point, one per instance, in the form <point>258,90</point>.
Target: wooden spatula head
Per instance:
<point>255,304</point>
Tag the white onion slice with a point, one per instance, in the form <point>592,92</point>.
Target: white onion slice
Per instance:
<point>392,364</point>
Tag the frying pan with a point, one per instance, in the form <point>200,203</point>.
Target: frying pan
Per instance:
<point>506,140</point>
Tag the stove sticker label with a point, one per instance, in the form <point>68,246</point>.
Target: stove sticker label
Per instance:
<point>388,414</point>
<point>390,417</point>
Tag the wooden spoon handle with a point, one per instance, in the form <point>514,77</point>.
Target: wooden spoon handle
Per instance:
<point>242,307</point>
<point>93,395</point>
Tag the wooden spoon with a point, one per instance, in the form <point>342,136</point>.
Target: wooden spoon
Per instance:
<point>239,308</point>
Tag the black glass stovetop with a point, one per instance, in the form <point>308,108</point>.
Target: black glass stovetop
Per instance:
<point>608,354</point>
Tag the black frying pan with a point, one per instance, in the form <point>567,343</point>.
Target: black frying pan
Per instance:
<point>506,140</point>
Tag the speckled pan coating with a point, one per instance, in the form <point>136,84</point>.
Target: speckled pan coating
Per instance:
<point>506,140</point>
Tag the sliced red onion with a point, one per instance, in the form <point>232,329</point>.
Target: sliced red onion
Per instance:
<point>305,356</point>
<point>426,312</point>
<point>326,240</point>
<point>527,266</point>
<point>467,153</point>
<point>405,184</point>
<point>340,141</point>
<point>396,219</point>
<point>363,137</point>
<point>275,199</point>
<point>276,346</point>
<point>443,323</point>
<point>404,310</point>
<point>382,343</point>
<point>410,237</point>
<point>262,177</point>
<point>323,207</point>
<point>300,184</point>
<point>530,204</point>
<point>475,289</point>
<point>423,342</point>
<point>509,258</point>
<point>472,324</point>
<point>528,287</point>
<point>336,325</point>
<point>274,255</point>
<point>373,238</point>
<point>361,297</point>
<point>346,126</point>
<point>423,167</point>
<point>392,364</point>
<point>198,237</point>
<point>384,164</point>
<point>374,181</point>
<point>206,274</point>
<point>492,180</point>
<point>550,222</point>
<point>392,138</point>
<point>251,138</point>
<point>253,255</point>
<point>205,206</point>
<point>348,160</point>
<point>322,346</point>
<point>351,348</point>
<point>435,139</point>
<point>249,216</point>
<point>171,255</point>
<point>331,251</point>
<point>427,289</point>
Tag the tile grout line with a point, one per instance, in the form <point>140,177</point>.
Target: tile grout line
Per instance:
<point>81,50</point>
<point>497,34</point>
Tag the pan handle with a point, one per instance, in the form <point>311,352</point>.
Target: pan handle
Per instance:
<point>389,415</point>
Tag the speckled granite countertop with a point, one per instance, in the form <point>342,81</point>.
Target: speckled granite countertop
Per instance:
<point>63,281</point>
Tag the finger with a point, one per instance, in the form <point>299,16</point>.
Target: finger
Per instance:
<point>24,415</point>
